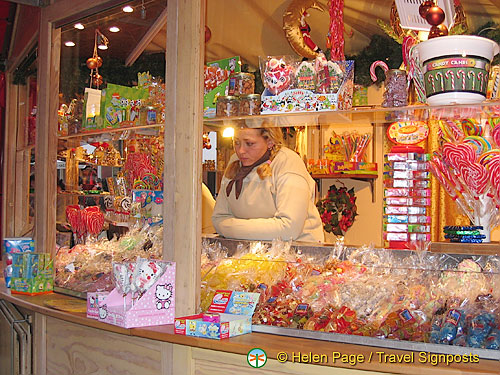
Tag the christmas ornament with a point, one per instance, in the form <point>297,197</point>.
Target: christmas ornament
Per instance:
<point>439,30</point>
<point>95,62</point>
<point>91,63</point>
<point>424,8</point>
<point>208,34</point>
<point>338,210</point>
<point>335,37</point>
<point>435,15</point>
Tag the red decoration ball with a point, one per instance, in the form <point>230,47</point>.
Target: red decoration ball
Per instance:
<point>208,34</point>
<point>91,63</point>
<point>99,61</point>
<point>424,8</point>
<point>97,80</point>
<point>435,16</point>
<point>439,30</point>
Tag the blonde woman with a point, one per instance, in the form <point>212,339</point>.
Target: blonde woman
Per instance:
<point>266,192</point>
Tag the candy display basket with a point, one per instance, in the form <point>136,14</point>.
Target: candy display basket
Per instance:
<point>397,299</point>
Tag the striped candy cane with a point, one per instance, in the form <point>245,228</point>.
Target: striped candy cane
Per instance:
<point>449,74</point>
<point>473,75</point>
<point>480,76</point>
<point>430,79</point>
<point>461,73</point>
<point>440,75</point>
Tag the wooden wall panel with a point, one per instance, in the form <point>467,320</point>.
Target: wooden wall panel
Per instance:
<point>209,362</point>
<point>73,349</point>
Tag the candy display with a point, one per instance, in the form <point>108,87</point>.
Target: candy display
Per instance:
<point>249,105</point>
<point>406,183</point>
<point>89,267</point>
<point>418,297</point>
<point>227,106</point>
<point>241,84</point>
<point>467,167</point>
<point>32,273</point>
<point>12,246</point>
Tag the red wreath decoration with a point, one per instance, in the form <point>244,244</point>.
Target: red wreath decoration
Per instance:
<point>338,210</point>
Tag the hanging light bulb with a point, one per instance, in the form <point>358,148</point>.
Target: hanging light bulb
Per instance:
<point>143,11</point>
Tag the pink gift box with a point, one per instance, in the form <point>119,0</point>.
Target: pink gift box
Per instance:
<point>155,307</point>
<point>93,299</point>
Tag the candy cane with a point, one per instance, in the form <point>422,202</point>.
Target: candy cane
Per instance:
<point>461,73</point>
<point>473,75</point>
<point>379,63</point>
<point>449,74</point>
<point>430,78</point>
<point>480,79</point>
<point>440,75</point>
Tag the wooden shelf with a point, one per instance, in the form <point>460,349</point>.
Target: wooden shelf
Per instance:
<point>110,130</point>
<point>362,115</point>
<point>490,248</point>
<point>368,177</point>
<point>364,176</point>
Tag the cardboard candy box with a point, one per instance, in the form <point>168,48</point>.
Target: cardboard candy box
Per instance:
<point>230,314</point>
<point>11,246</point>
<point>32,273</point>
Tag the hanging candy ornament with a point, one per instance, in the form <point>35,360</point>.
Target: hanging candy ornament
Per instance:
<point>296,28</point>
<point>335,39</point>
<point>435,15</point>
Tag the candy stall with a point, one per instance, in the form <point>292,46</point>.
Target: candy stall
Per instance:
<point>402,145</point>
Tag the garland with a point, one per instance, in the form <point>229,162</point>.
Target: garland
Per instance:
<point>338,210</point>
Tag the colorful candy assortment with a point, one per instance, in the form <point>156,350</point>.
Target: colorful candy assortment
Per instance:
<point>468,168</point>
<point>370,293</point>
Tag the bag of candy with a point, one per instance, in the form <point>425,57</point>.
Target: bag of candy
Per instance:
<point>278,73</point>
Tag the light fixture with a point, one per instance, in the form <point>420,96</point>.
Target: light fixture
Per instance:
<point>128,9</point>
<point>228,132</point>
<point>69,43</point>
<point>114,29</point>
<point>79,26</point>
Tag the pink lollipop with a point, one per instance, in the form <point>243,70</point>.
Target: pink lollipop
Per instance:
<point>475,176</point>
<point>496,134</point>
<point>456,153</point>
<point>374,65</point>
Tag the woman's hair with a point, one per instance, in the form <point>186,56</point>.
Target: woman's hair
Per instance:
<point>264,170</point>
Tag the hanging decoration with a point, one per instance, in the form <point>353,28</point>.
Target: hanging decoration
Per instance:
<point>95,62</point>
<point>435,16</point>
<point>297,31</point>
<point>338,210</point>
<point>335,37</point>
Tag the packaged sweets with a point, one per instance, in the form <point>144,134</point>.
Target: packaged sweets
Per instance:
<point>278,73</point>
<point>249,104</point>
<point>396,92</point>
<point>227,106</point>
<point>13,246</point>
<point>305,76</point>
<point>405,210</point>
<point>241,84</point>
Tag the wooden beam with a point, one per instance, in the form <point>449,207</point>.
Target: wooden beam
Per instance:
<point>155,28</point>
<point>183,148</point>
<point>46,135</point>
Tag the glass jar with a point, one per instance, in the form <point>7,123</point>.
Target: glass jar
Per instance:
<point>250,104</point>
<point>396,89</point>
<point>241,84</point>
<point>227,106</point>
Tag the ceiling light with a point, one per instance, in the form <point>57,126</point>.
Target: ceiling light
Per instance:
<point>69,43</point>
<point>228,132</point>
<point>128,9</point>
<point>79,26</point>
<point>102,46</point>
<point>114,29</point>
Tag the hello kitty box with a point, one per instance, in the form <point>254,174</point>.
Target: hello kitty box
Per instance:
<point>230,314</point>
<point>155,307</point>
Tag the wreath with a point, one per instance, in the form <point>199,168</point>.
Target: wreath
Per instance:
<point>338,210</point>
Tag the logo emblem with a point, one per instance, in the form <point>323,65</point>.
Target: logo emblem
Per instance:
<point>256,358</point>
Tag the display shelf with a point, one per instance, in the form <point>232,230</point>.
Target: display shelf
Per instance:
<point>91,163</point>
<point>362,115</point>
<point>109,130</point>
<point>370,178</point>
<point>490,248</point>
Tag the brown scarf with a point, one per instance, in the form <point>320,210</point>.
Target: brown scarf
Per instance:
<point>243,172</point>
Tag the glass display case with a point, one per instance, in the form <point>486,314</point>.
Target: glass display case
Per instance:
<point>441,303</point>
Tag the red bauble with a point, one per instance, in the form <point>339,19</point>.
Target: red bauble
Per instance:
<point>99,61</point>
<point>424,8</point>
<point>435,15</point>
<point>208,34</point>
<point>97,80</point>
<point>91,63</point>
<point>439,30</point>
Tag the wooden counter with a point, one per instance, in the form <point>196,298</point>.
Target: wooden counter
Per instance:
<point>72,339</point>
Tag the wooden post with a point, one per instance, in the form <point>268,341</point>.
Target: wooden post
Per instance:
<point>183,148</point>
<point>46,136</point>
